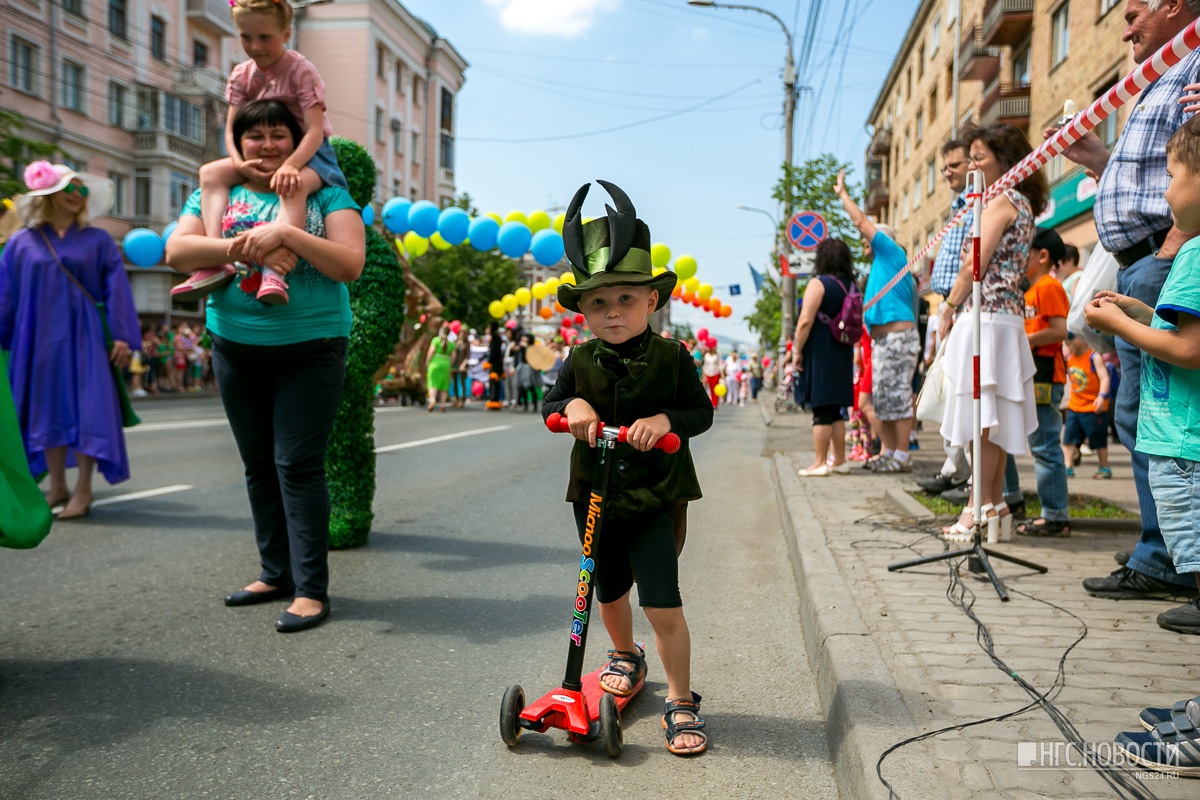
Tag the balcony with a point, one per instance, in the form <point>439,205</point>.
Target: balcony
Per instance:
<point>1006,104</point>
<point>1006,22</point>
<point>212,14</point>
<point>199,82</point>
<point>168,146</point>
<point>881,143</point>
<point>977,61</point>
<point>877,191</point>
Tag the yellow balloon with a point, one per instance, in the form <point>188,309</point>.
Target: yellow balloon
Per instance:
<point>437,241</point>
<point>692,284</point>
<point>657,270</point>
<point>685,267</point>
<point>660,255</point>
<point>586,220</point>
<point>516,216</point>
<point>539,221</point>
<point>416,245</point>
<point>705,291</point>
<point>552,285</point>
<point>510,302</point>
<point>493,215</point>
<point>567,277</point>
<point>719,390</point>
<point>523,296</point>
<point>496,309</point>
<point>540,291</point>
<point>559,220</point>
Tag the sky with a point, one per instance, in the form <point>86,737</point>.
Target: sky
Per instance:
<point>696,95</point>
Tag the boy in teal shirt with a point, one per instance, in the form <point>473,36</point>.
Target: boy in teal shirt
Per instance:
<point>1169,425</point>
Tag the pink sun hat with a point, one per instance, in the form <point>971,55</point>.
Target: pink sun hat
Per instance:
<point>44,178</point>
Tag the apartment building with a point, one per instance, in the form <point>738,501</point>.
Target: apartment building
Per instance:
<point>391,83</point>
<point>1018,62</point>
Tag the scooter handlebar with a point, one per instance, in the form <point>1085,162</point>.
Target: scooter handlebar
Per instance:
<point>670,443</point>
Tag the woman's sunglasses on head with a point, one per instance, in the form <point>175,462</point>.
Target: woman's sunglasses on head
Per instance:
<point>71,188</point>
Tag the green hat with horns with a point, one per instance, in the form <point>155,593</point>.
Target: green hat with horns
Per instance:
<point>609,251</point>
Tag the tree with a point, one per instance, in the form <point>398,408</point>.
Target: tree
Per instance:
<point>16,152</point>
<point>466,280</point>
<point>682,331</point>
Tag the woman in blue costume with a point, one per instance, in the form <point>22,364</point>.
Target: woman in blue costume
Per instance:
<point>59,366</point>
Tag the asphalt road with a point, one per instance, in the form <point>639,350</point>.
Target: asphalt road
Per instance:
<point>123,676</point>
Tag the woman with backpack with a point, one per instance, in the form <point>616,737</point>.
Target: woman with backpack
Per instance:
<point>823,361</point>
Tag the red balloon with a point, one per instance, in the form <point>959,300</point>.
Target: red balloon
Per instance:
<point>579,319</point>
<point>766,361</point>
<point>566,323</point>
<point>702,334</point>
<point>455,327</point>
<point>422,318</point>
<point>710,342</point>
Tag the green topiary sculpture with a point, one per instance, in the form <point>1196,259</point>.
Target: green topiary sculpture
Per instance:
<point>377,305</point>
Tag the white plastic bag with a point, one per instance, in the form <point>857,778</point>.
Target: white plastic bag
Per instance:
<point>931,402</point>
<point>1099,275</point>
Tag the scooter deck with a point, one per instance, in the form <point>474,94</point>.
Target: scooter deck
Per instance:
<point>575,712</point>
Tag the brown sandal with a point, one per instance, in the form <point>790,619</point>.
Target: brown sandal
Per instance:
<point>694,725</point>
<point>617,659</point>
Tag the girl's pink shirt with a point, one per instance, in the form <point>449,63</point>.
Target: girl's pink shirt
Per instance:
<point>292,80</point>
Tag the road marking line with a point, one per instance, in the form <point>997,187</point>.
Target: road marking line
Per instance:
<point>172,426</point>
<point>419,442</point>
<point>125,498</point>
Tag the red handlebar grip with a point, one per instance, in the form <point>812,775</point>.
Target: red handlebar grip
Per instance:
<point>669,443</point>
<point>557,423</point>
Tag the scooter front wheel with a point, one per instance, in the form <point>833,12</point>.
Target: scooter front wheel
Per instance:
<point>610,726</point>
<point>510,710</point>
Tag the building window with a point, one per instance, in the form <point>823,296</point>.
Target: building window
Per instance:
<point>381,60</point>
<point>1055,168</point>
<point>949,81</point>
<point>1107,130</point>
<point>447,111</point>
<point>953,8</point>
<point>416,92</point>
<point>116,18</point>
<point>22,65</point>
<point>904,215</point>
<point>397,137</point>
<point>184,119</point>
<point>933,104</point>
<point>117,97</point>
<point>182,186</point>
<point>920,62</point>
<point>447,152</point>
<point>141,194</point>
<point>397,188</point>
<point>399,77</point>
<point>158,37</point>
<point>935,34</point>
<point>1106,6</point>
<point>72,85</point>
<point>920,125</point>
<point>148,116</point>
<point>931,176</point>
<point>199,54</point>
<point>119,209</point>
<point>1021,67</point>
<point>917,193</point>
<point>908,82</point>
<point>379,125</point>
<point>1060,34</point>
<point>907,145</point>
<point>73,6</point>
<point>378,186</point>
<point>415,154</point>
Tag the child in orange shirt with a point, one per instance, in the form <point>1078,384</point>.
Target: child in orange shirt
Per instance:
<point>1087,409</point>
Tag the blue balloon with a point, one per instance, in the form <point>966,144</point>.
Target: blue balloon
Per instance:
<point>454,224</point>
<point>547,247</point>
<point>395,215</point>
<point>368,215</point>
<point>514,239</point>
<point>483,233</point>
<point>143,247</point>
<point>167,231</point>
<point>423,218</point>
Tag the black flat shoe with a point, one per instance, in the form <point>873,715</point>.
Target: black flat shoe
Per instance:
<point>294,623</point>
<point>247,598</point>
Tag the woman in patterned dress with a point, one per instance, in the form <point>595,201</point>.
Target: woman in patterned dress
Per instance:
<point>1006,363</point>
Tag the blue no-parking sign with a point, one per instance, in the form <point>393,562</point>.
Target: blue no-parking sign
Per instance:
<point>806,230</point>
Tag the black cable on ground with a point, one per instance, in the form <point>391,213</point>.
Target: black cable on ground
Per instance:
<point>962,597</point>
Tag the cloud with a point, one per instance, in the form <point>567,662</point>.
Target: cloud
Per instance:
<point>566,18</point>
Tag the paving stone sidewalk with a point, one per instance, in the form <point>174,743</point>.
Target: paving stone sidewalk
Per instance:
<point>894,658</point>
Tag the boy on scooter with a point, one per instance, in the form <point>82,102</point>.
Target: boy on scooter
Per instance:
<point>628,375</point>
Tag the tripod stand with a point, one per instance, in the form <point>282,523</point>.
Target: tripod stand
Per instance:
<point>977,553</point>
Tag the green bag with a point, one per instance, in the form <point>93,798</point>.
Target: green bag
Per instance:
<point>24,514</point>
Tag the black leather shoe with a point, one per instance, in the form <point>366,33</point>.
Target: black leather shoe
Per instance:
<point>957,496</point>
<point>939,483</point>
<point>1185,619</point>
<point>1128,584</point>
<point>293,623</point>
<point>246,598</point>
<point>1122,556</point>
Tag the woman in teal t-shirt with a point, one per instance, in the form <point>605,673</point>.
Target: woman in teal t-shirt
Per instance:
<point>280,369</point>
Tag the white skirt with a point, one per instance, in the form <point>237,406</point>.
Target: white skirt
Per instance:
<point>1006,383</point>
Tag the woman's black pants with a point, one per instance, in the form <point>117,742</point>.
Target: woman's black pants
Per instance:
<point>281,400</point>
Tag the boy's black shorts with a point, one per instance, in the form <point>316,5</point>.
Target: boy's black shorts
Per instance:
<point>644,548</point>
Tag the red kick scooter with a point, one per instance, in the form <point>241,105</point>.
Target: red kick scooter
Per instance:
<point>580,706</point>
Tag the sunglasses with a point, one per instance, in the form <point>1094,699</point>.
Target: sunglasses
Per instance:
<point>71,188</point>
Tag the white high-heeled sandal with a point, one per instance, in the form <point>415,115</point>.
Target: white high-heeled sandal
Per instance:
<point>1006,525</point>
<point>958,533</point>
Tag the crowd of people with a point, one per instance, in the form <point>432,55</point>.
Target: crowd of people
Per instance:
<point>172,360</point>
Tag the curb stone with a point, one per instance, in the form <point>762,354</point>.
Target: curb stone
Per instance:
<point>864,710</point>
<point>908,505</point>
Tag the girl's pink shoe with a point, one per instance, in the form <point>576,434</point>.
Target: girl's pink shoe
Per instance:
<point>273,290</point>
<point>204,282</point>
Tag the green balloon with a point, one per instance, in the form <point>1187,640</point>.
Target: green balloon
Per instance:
<point>685,267</point>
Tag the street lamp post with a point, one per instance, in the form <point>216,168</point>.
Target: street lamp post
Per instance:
<point>787,320</point>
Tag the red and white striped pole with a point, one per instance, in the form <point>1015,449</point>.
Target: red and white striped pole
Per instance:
<point>1146,73</point>
<point>975,203</point>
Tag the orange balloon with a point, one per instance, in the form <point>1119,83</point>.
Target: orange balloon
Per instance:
<point>726,311</point>
<point>559,307</point>
<point>713,304</point>
<point>545,312</point>
<point>689,298</point>
<point>677,292</point>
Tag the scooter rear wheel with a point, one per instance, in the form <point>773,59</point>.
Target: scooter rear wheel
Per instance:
<point>510,710</point>
<point>610,726</point>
